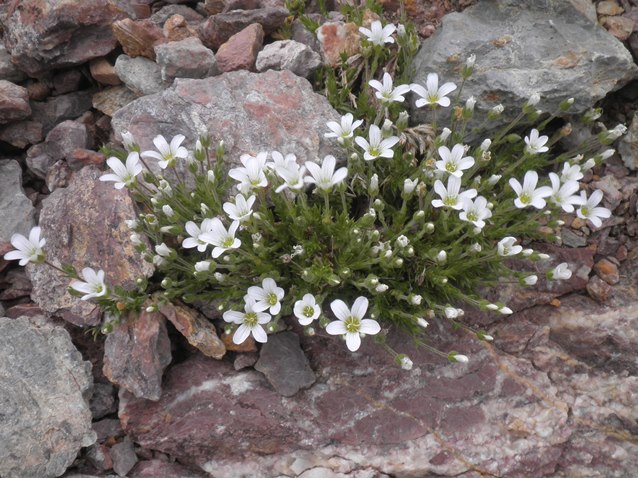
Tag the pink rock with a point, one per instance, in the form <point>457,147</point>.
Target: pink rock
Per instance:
<point>162,469</point>
<point>138,37</point>
<point>336,38</point>
<point>22,133</point>
<point>176,28</point>
<point>14,102</point>
<point>240,51</point>
<point>45,34</point>
<point>65,138</point>
<point>103,72</point>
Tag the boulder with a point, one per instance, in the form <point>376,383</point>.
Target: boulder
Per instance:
<point>8,71</point>
<point>22,133</point>
<point>16,211</point>
<point>521,48</point>
<point>44,390</point>
<point>288,55</point>
<point>185,59</point>
<point>45,34</point>
<point>14,102</point>
<point>64,138</point>
<point>138,37</point>
<point>141,75</point>
<point>240,51</point>
<point>60,108</point>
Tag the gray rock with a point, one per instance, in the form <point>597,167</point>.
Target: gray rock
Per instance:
<point>84,226</point>
<point>123,456</point>
<point>103,400</point>
<point>162,469</point>
<point>64,138</point>
<point>111,99</point>
<point>59,108</point>
<point>250,112</point>
<point>570,239</point>
<point>521,48</point>
<point>39,161</point>
<point>168,11</point>
<point>8,71</point>
<point>288,55</point>
<point>14,102</point>
<point>44,386</point>
<point>140,75</point>
<point>302,35</point>
<point>185,59</point>
<point>628,144</point>
<point>108,427</point>
<point>16,211</point>
<point>284,364</point>
<point>22,133</point>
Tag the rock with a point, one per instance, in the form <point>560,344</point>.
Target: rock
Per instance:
<point>185,59</point>
<point>84,226</point>
<point>520,53</point>
<point>628,144</point>
<point>240,51</point>
<point>242,5</point>
<point>598,289</point>
<point>571,239</point>
<point>288,55</point>
<point>284,364</point>
<point>60,108</point>
<point>620,27</point>
<point>8,71</point>
<point>587,8</point>
<point>218,29</point>
<point>177,28</point>
<point>610,186</point>
<point>336,38</point>
<point>276,111</point>
<point>109,100</point>
<point>168,11</point>
<point>16,285</point>
<point>138,37</point>
<point>609,7</point>
<point>17,214</point>
<point>248,345</point>
<point>66,81</point>
<point>162,469</point>
<point>245,360</point>
<point>44,387</point>
<point>302,35</point>
<point>38,90</point>
<point>103,400</point>
<point>100,457</point>
<point>108,428</point>
<point>14,102</point>
<point>22,133</point>
<point>124,458</point>
<point>38,161</point>
<point>45,34</point>
<point>607,271</point>
<point>103,72</point>
<point>64,138</point>
<point>81,157</point>
<point>199,332</point>
<point>136,354</point>
<point>140,75</point>
<point>213,7</point>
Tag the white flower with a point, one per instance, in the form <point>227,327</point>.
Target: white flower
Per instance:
<point>475,211</point>
<point>406,363</point>
<point>445,134</point>
<point>409,185</point>
<point>535,143</point>
<point>221,238</point>
<point>454,162</point>
<point>451,196</point>
<point>123,174</point>
<point>560,272</point>
<point>377,146</point>
<point>196,233</point>
<point>527,194</point>
<point>563,196</point>
<point>307,309</point>
<point>476,247</point>
<point>380,288</point>
<point>469,62</point>
<point>325,177</point>
<point>402,241</point>
<point>470,103</point>
<point>530,280</point>
<point>571,173</point>
<point>506,247</point>
<point>166,209</point>
<point>589,210</point>
<point>432,94</point>
<point>252,175</point>
<point>210,175</point>
<point>587,165</point>
<point>422,322</point>
<point>268,296</point>
<point>94,285</point>
<point>351,322</point>
<point>451,312</point>
<point>163,250</point>
<point>250,322</point>
<point>241,210</point>
<point>344,129</point>
<point>386,92</point>
<point>168,153</point>
<point>533,99</point>
<point>441,257</point>
<point>293,176</point>
<point>378,35</point>
<point>415,299</point>
<point>128,141</point>
<point>279,160</point>
<point>617,132</point>
<point>202,266</point>
<point>27,250</point>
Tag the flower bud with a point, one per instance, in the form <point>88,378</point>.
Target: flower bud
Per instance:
<point>422,322</point>
<point>530,280</point>
<point>533,99</point>
<point>402,120</point>
<point>415,299</point>
<point>168,210</point>
<point>441,257</point>
<point>429,227</point>
<point>445,134</point>
<point>456,357</point>
<point>202,266</point>
<point>566,104</point>
<point>495,112</point>
<point>373,188</point>
<point>485,145</point>
<point>409,186</point>
<point>405,362</point>
<point>470,103</point>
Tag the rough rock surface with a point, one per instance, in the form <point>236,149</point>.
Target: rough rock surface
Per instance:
<point>187,58</point>
<point>139,74</point>
<point>519,51</point>
<point>138,38</point>
<point>16,211</point>
<point>240,51</point>
<point>288,55</point>
<point>59,108</point>
<point>84,226</point>
<point>161,469</point>
<point>14,102</point>
<point>250,112</point>
<point>44,387</point>
<point>8,70</point>
<point>284,364</point>
<point>45,34</point>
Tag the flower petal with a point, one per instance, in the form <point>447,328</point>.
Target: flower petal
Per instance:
<point>340,309</point>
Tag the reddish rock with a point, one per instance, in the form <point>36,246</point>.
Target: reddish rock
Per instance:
<point>26,310</point>
<point>138,37</point>
<point>336,38</point>
<point>609,7</point>
<point>14,102</point>
<point>240,51</point>
<point>620,27</point>
<point>176,28</point>
<point>213,7</point>
<point>607,271</point>
<point>65,138</point>
<point>66,81</point>
<point>38,90</point>
<point>45,34</point>
<point>242,5</point>
<point>22,133</point>
<point>103,72</point>
<point>136,354</point>
<point>58,175</point>
<point>163,469</point>
<point>217,29</point>
<point>598,289</point>
<point>247,345</point>
<point>81,157</point>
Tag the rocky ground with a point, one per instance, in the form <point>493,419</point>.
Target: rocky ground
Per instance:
<point>555,395</point>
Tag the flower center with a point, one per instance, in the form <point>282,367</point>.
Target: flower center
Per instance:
<point>228,242</point>
<point>352,324</point>
<point>308,311</point>
<point>450,201</point>
<point>374,152</point>
<point>433,98</point>
<point>272,299</point>
<point>250,319</point>
<point>525,198</point>
<point>98,288</point>
<point>450,167</point>
<point>472,216</point>
<point>584,211</point>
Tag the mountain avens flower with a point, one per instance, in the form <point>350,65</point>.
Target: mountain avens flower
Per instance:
<point>250,322</point>
<point>93,285</point>
<point>124,175</point>
<point>252,175</point>
<point>432,94</point>
<point>196,233</point>
<point>563,195</point>
<point>475,211</point>
<point>306,310</point>
<point>351,322</point>
<point>27,250</point>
